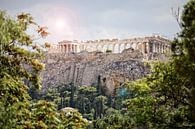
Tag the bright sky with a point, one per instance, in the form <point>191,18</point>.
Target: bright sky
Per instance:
<point>99,19</point>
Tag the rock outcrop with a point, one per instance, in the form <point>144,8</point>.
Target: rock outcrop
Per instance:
<point>85,68</point>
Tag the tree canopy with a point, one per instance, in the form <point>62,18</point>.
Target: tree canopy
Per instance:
<point>18,65</point>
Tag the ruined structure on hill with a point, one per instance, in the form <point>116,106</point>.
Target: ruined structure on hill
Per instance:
<point>87,62</point>
<point>146,45</point>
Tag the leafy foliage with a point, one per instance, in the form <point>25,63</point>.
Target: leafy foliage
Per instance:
<point>72,119</point>
<point>185,61</point>
<point>19,70</point>
<point>15,59</point>
<point>113,120</point>
<point>45,115</point>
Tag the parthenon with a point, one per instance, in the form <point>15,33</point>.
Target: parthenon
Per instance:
<point>152,44</point>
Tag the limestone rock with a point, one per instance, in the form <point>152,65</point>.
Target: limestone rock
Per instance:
<point>85,67</point>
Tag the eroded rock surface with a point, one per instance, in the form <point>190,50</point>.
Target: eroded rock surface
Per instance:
<point>84,68</point>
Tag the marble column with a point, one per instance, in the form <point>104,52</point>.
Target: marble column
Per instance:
<point>125,46</point>
<point>58,48</point>
<point>76,48</point>
<point>163,48</point>
<point>61,48</point>
<point>153,47</point>
<point>148,47</point>
<point>159,48</point>
<point>65,48</point>
<point>107,46</point>
<point>143,48</point>
<point>83,47</point>
<point>97,47</point>
<point>102,48</point>
<point>113,48</point>
<point>131,45</point>
<point>156,47</point>
<point>137,48</point>
<point>70,47</point>
<point>169,49</point>
<point>73,48</point>
<point>119,48</point>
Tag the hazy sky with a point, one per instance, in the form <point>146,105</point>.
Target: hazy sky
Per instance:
<point>95,19</point>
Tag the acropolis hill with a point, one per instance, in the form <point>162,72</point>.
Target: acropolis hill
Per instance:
<point>112,62</point>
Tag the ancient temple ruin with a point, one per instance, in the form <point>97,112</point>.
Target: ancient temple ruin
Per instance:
<point>152,44</point>
<point>66,63</point>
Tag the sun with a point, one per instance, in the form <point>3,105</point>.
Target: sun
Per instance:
<point>60,23</point>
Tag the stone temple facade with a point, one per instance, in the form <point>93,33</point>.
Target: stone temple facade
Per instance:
<point>146,45</point>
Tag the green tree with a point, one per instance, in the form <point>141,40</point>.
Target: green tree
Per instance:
<point>100,105</point>
<point>72,119</point>
<point>45,115</point>
<point>184,50</point>
<point>113,119</point>
<point>170,100</point>
<point>73,90</point>
<point>17,65</point>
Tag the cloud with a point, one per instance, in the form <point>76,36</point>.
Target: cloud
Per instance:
<point>101,19</point>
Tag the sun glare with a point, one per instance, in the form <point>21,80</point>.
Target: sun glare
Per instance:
<point>60,23</point>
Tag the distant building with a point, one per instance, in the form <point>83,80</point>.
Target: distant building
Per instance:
<point>152,44</point>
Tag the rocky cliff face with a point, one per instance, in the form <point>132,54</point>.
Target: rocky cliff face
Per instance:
<point>85,68</point>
